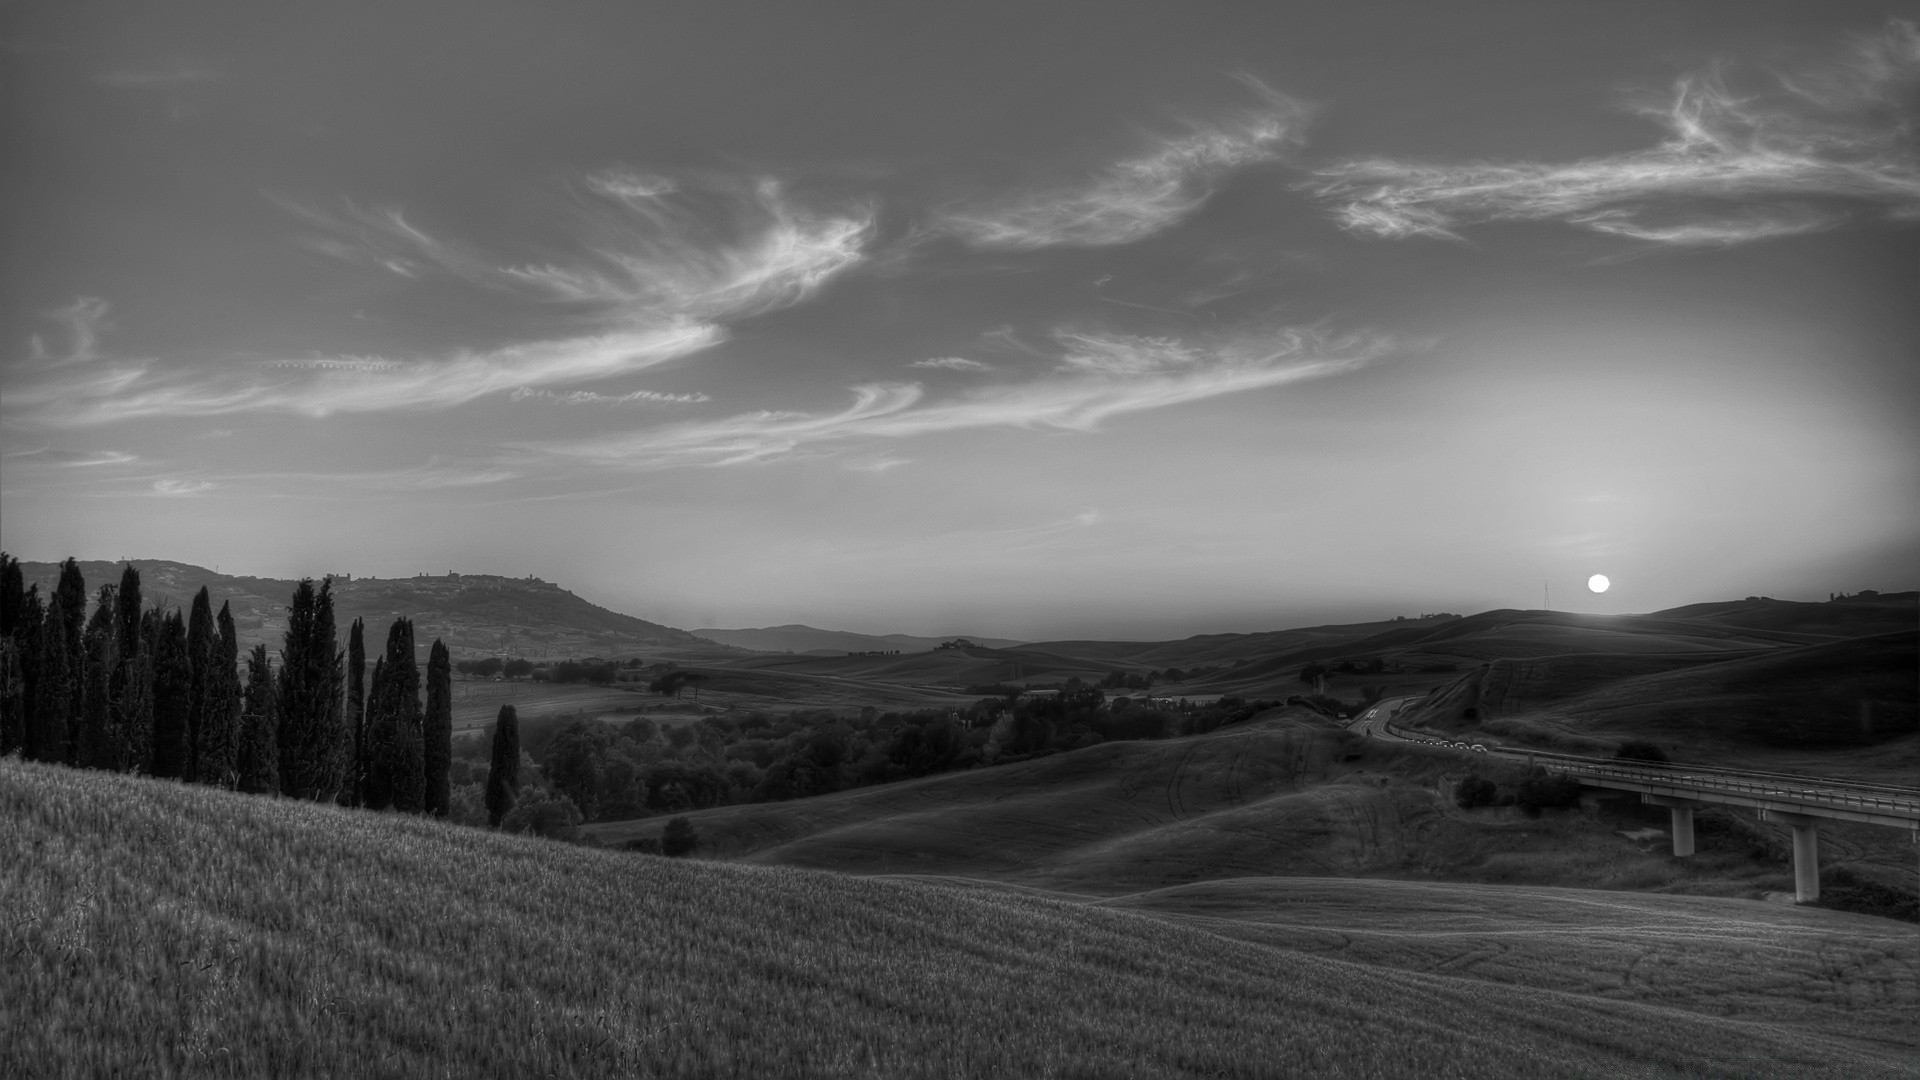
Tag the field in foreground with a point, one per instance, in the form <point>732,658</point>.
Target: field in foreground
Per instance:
<point>155,929</point>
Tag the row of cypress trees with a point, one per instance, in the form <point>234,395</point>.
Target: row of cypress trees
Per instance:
<point>145,690</point>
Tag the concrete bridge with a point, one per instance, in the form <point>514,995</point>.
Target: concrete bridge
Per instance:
<point>1798,802</point>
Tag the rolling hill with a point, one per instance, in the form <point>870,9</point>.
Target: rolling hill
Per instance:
<point>1289,793</point>
<point>166,929</point>
<point>1837,694</point>
<point>795,638</point>
<point>475,614</point>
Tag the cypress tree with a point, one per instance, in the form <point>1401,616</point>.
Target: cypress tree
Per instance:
<point>437,732</point>
<point>29,639</point>
<point>172,698</point>
<point>357,709</point>
<point>503,776</point>
<point>131,689</point>
<point>200,660</point>
<point>311,765</point>
<point>13,691</point>
<point>72,593</point>
<point>377,781</point>
<point>257,756</point>
<point>95,739</point>
<point>47,733</point>
<point>13,593</point>
<point>219,732</point>
<point>406,750</point>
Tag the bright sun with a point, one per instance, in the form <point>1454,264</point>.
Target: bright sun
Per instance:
<point>1598,583</point>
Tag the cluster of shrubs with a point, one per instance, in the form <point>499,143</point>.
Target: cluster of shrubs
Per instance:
<point>579,769</point>
<point>1538,790</point>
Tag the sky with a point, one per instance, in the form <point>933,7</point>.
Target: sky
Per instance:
<point>1037,320</point>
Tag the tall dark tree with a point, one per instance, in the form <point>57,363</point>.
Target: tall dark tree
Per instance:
<point>29,639</point>
<point>437,731</point>
<point>13,690</point>
<point>219,731</point>
<point>200,662</point>
<point>172,698</point>
<point>95,735</point>
<point>131,688</point>
<point>376,778</point>
<point>52,705</point>
<point>72,594</point>
<point>356,709</point>
<point>400,702</point>
<point>257,757</point>
<point>13,593</point>
<point>503,777</point>
<point>311,746</point>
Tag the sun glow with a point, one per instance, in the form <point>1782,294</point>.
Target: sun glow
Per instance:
<point>1598,583</point>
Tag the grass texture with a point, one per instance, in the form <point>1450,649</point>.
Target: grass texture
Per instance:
<point>153,929</point>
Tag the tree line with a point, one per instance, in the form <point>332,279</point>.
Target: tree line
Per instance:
<point>143,689</point>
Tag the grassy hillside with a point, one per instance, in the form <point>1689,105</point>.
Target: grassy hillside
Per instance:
<point>477,615</point>
<point>156,929</point>
<point>1288,795</point>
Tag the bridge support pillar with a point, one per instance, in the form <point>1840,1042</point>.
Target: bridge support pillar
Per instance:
<point>1681,813</point>
<point>1806,852</point>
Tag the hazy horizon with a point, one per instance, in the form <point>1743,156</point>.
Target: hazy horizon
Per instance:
<point>1123,321</point>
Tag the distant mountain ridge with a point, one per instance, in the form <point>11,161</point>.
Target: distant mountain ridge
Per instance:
<point>475,614</point>
<point>798,638</point>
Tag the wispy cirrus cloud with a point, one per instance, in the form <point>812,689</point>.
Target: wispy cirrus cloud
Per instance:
<point>1795,156</point>
<point>658,279</point>
<point>82,388</point>
<point>951,363</point>
<point>1138,196</point>
<point>1096,377</point>
<point>589,397</point>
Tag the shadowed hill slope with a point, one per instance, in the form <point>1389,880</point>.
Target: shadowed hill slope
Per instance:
<point>164,929</point>
<point>1841,693</point>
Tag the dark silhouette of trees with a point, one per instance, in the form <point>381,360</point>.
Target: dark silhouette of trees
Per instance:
<point>71,592</point>
<point>678,838</point>
<point>200,661</point>
<point>393,708</point>
<point>437,732</point>
<point>311,746</point>
<point>131,689</point>
<point>13,688</point>
<point>573,764</point>
<point>53,688</point>
<point>172,698</point>
<point>95,736</point>
<point>503,777</point>
<point>219,731</point>
<point>356,710</point>
<point>258,758</point>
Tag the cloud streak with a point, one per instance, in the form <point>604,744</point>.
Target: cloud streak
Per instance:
<point>664,273</point>
<point>1735,167</point>
<point>1135,197</point>
<point>1096,377</point>
<point>951,363</point>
